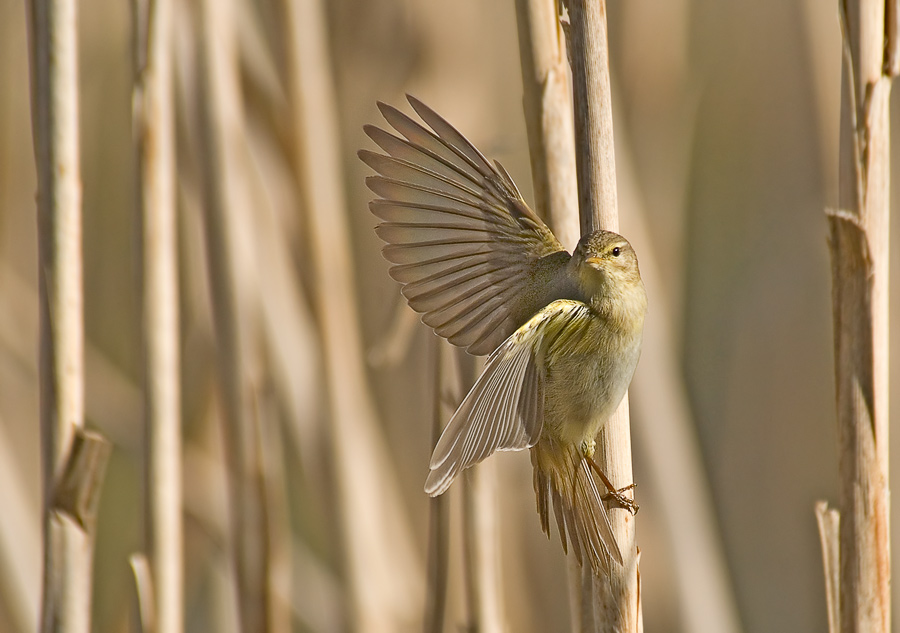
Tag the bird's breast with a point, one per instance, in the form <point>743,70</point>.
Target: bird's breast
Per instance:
<point>583,388</point>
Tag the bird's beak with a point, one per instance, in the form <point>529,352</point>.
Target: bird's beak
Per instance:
<point>593,261</point>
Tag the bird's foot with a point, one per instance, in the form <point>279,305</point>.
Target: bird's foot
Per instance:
<point>622,500</point>
<point>616,494</point>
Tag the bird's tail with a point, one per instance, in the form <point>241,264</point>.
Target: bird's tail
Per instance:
<point>563,474</point>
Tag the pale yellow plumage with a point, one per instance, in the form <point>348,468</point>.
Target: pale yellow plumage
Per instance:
<point>563,331</point>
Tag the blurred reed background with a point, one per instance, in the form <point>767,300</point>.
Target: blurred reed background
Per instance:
<point>726,121</point>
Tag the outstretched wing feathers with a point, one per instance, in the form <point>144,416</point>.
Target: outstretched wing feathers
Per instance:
<point>488,420</point>
<point>453,202</point>
<point>450,136</point>
<point>461,239</point>
<point>416,153</point>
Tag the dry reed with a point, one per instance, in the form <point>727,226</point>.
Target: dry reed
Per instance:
<point>155,131</point>
<point>616,599</point>
<point>73,460</point>
<point>859,241</point>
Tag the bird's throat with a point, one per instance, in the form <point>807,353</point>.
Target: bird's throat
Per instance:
<point>622,305</point>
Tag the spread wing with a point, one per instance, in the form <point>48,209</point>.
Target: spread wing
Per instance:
<point>504,409</point>
<point>461,239</point>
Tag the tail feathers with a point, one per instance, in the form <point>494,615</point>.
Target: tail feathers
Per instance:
<point>563,478</point>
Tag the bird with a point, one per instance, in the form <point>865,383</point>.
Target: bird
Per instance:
<point>562,331</point>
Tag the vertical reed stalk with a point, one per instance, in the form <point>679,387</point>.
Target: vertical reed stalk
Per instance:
<point>481,542</point>
<point>617,597</point>
<point>144,614</point>
<point>54,87</point>
<point>595,152</point>
<point>384,584</point>
<point>235,307</point>
<point>73,461</point>
<point>482,574</point>
<point>547,102</point>
<point>277,536</point>
<point>438,515</point>
<point>829,523</point>
<point>154,129</point>
<point>548,116</point>
<point>859,240</point>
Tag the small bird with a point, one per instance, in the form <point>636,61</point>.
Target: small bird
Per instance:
<point>563,331</point>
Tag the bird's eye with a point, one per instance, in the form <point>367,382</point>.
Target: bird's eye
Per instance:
<point>616,251</point>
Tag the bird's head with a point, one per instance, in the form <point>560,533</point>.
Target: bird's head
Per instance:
<point>606,268</point>
<point>604,258</point>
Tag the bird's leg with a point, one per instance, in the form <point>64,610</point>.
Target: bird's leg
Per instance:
<point>614,493</point>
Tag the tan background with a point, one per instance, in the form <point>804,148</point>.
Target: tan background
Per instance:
<point>726,112</point>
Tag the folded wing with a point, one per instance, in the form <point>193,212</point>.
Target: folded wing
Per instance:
<point>504,409</point>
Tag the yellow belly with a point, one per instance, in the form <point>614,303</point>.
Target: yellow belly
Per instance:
<point>581,391</point>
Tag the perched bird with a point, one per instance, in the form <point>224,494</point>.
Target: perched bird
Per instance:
<point>563,331</point>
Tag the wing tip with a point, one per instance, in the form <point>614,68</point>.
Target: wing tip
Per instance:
<point>427,112</point>
<point>438,481</point>
<point>382,107</point>
<point>415,102</point>
<point>372,183</point>
<point>369,157</point>
<point>368,128</point>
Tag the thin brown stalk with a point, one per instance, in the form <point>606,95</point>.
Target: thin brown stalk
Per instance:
<point>384,584</point>
<point>616,597</point>
<point>549,120</point>
<point>548,106</point>
<point>235,307</point>
<point>54,89</point>
<point>68,542</point>
<point>290,353</point>
<point>581,603</point>
<point>829,522</point>
<point>481,536</point>
<point>144,608</point>
<point>277,537</point>
<point>892,38</point>
<point>438,515</point>
<point>595,152</point>
<point>859,239</point>
<point>154,128</point>
<point>482,575</point>
<point>548,116</point>
<point>287,329</point>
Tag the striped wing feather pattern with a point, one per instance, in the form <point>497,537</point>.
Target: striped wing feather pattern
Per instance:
<point>504,409</point>
<point>460,238</point>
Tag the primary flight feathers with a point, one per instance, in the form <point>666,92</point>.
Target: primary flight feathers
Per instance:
<point>463,242</point>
